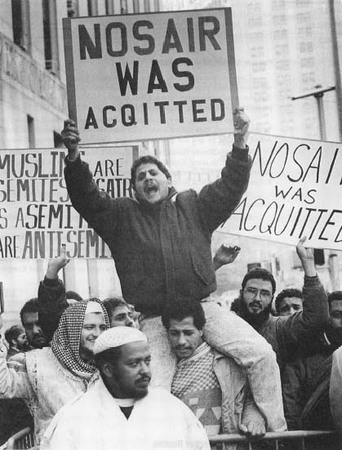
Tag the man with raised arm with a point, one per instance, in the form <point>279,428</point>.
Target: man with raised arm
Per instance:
<point>290,336</point>
<point>161,244</point>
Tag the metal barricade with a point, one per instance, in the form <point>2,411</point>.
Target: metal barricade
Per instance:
<point>289,440</point>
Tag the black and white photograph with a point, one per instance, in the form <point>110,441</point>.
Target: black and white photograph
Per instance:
<point>171,224</point>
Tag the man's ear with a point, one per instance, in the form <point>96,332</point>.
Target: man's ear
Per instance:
<point>108,369</point>
<point>169,181</point>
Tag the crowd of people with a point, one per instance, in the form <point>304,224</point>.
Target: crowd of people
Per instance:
<point>166,366</point>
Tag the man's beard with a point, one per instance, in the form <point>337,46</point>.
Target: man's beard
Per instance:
<point>255,320</point>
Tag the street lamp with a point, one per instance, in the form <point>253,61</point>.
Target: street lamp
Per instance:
<point>318,94</point>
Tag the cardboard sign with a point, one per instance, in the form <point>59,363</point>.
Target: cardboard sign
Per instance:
<point>151,76</point>
<point>295,190</point>
<point>36,216</point>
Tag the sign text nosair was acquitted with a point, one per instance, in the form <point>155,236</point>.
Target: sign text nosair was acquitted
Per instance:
<point>144,44</point>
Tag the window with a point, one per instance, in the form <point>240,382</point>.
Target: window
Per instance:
<point>31,132</point>
<point>254,8</point>
<point>260,83</point>
<point>255,22</point>
<point>303,17</point>
<point>72,7</point>
<point>21,24</point>
<point>307,63</point>
<point>255,36</point>
<point>305,31</point>
<point>282,65</point>
<point>92,8</point>
<point>281,50</point>
<point>305,47</point>
<point>257,52</point>
<point>279,19</point>
<point>50,36</point>
<point>258,67</point>
<point>123,8</point>
<point>109,7</point>
<point>280,34</point>
<point>308,78</point>
<point>136,6</point>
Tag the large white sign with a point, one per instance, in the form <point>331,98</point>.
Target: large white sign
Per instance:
<point>295,190</point>
<point>151,76</point>
<point>36,216</point>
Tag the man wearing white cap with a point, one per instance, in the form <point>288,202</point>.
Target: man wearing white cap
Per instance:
<point>121,411</point>
<point>52,376</point>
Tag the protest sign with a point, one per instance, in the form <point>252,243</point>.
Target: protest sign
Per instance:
<point>151,76</point>
<point>295,190</point>
<point>36,216</point>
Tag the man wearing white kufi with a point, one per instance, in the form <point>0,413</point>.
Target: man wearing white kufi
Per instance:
<point>121,411</point>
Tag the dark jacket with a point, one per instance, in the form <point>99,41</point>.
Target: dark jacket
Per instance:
<point>162,251</point>
<point>52,303</point>
<point>290,336</point>
<point>305,385</point>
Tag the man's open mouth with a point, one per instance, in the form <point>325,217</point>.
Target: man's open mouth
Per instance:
<point>151,189</point>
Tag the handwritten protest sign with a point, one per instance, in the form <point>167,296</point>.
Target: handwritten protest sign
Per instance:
<point>151,76</point>
<point>295,190</point>
<point>36,216</point>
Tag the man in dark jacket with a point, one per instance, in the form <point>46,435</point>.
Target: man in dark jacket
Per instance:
<point>161,245</point>
<point>291,335</point>
<point>306,381</point>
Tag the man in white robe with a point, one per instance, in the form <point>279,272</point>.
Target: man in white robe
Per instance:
<point>121,411</point>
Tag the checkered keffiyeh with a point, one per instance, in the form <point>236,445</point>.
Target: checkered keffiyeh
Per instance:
<point>195,383</point>
<point>195,373</point>
<point>66,340</point>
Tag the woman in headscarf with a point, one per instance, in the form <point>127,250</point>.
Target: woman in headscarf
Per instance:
<point>53,376</point>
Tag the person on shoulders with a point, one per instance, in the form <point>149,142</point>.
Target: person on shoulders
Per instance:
<point>160,241</point>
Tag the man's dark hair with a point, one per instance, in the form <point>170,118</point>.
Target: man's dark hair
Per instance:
<point>290,292</point>
<point>336,295</point>
<point>31,306</point>
<point>110,355</point>
<point>12,333</point>
<point>72,295</point>
<point>181,309</point>
<point>259,273</point>
<point>148,159</point>
<point>112,303</point>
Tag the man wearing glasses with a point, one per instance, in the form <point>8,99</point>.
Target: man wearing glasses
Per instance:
<point>290,336</point>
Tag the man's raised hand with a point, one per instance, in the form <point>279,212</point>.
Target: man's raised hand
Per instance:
<point>71,138</point>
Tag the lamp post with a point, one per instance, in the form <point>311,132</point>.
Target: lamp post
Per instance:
<point>318,93</point>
